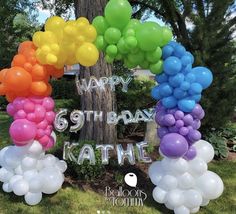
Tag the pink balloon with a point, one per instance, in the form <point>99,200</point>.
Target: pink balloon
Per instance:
<point>48,103</point>
<point>39,112</point>
<point>18,103</point>
<point>42,125</point>
<point>40,133</point>
<point>10,109</point>
<point>48,132</point>
<point>20,115</point>
<point>22,130</point>
<point>50,143</point>
<point>50,116</point>
<point>22,143</point>
<point>36,99</point>
<point>29,106</point>
<point>44,140</point>
<point>31,117</point>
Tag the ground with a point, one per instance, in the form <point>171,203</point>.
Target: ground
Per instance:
<point>86,199</point>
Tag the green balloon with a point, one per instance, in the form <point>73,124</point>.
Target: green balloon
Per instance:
<point>144,64</point>
<point>136,58</point>
<point>132,25</point>
<point>122,48</point>
<point>149,36</point>
<point>129,32</point>
<point>112,35</point>
<point>111,51</point>
<point>109,59</point>
<point>154,56</point>
<point>129,64</point>
<point>119,57</point>
<point>131,42</point>
<point>100,24</point>
<point>100,43</point>
<point>157,68</point>
<point>118,13</point>
<point>166,36</point>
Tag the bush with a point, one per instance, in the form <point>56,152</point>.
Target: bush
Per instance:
<point>3,103</point>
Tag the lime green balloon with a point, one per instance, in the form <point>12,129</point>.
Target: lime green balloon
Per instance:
<point>167,36</point>
<point>100,24</point>
<point>131,42</point>
<point>149,36</point>
<point>100,43</point>
<point>118,13</point>
<point>132,25</point>
<point>119,57</point>
<point>136,58</point>
<point>129,64</point>
<point>112,35</point>
<point>157,68</point>
<point>129,32</point>
<point>122,48</point>
<point>144,64</point>
<point>109,59</point>
<point>111,51</point>
<point>154,56</point>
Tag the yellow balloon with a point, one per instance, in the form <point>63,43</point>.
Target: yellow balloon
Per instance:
<point>83,20</point>
<point>90,33</point>
<point>37,38</point>
<point>87,54</point>
<point>51,59</point>
<point>54,23</point>
<point>48,37</point>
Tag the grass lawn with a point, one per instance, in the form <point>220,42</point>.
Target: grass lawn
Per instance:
<point>75,200</point>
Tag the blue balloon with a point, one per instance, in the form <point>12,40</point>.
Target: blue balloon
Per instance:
<point>196,97</point>
<point>179,94</point>
<point>173,44</point>
<point>195,88</point>
<point>172,65</point>
<point>179,51</point>
<point>161,78</point>
<point>186,60</point>
<point>155,93</point>
<point>190,77</point>
<point>191,56</point>
<point>176,80</point>
<point>167,51</point>
<point>186,105</point>
<point>165,90</point>
<point>203,76</point>
<point>169,102</point>
<point>185,86</point>
<point>187,69</point>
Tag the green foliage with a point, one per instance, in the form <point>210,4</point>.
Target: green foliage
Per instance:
<point>87,171</point>
<point>119,178</point>
<point>3,103</point>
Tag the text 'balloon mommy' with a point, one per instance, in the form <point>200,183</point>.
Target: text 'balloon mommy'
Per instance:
<point>78,118</point>
<point>78,154</point>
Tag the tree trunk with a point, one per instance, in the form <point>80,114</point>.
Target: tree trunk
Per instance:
<point>96,100</point>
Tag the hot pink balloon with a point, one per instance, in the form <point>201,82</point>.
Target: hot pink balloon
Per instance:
<point>39,112</point>
<point>29,106</point>
<point>50,116</point>
<point>48,103</point>
<point>10,109</point>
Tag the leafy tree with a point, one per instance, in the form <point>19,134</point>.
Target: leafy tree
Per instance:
<point>18,22</point>
<point>206,28</point>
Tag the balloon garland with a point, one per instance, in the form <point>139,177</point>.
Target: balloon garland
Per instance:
<point>182,180</point>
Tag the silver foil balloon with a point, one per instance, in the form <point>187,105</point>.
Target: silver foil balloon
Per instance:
<point>140,116</point>
<point>142,153</point>
<point>113,81</point>
<point>105,152</point>
<point>81,86</point>
<point>98,115</point>
<point>125,154</point>
<point>93,83</point>
<point>103,81</point>
<point>86,152</point>
<point>112,118</point>
<point>77,117</point>
<point>60,123</point>
<point>127,117</point>
<point>88,115</point>
<point>68,151</point>
<point>150,113</point>
<point>125,83</point>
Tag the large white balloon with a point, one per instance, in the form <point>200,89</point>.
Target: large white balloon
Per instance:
<point>175,198</point>
<point>181,210</point>
<point>35,184</point>
<point>20,187</point>
<point>159,195</point>
<point>186,181</point>
<point>204,150</point>
<point>33,198</point>
<point>5,174</point>
<point>197,166</point>
<point>35,148</point>
<point>193,198</point>
<point>168,182</point>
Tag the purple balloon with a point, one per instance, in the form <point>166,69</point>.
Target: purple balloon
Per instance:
<point>194,135</point>
<point>191,153</point>
<point>188,120</point>
<point>173,129</point>
<point>179,123</point>
<point>196,124</point>
<point>169,120</point>
<point>184,131</point>
<point>162,132</point>
<point>197,111</point>
<point>202,115</point>
<point>179,115</point>
<point>174,145</point>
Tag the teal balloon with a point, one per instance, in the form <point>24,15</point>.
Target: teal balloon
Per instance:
<point>122,48</point>
<point>149,36</point>
<point>154,56</point>
<point>157,68</point>
<point>118,13</point>
<point>112,35</point>
<point>100,24</point>
<point>100,43</point>
<point>111,51</point>
<point>167,36</point>
<point>131,42</point>
<point>136,58</point>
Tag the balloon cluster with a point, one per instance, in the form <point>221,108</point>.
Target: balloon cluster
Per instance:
<point>27,171</point>
<point>27,76</point>
<point>33,120</point>
<point>129,40</point>
<point>180,85</point>
<point>184,186</point>
<point>179,131</point>
<point>66,43</point>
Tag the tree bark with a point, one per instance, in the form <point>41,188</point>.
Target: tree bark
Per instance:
<point>96,100</point>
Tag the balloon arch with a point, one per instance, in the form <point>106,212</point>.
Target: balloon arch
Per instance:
<point>182,180</point>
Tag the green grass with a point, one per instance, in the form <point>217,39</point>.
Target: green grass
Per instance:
<point>75,200</point>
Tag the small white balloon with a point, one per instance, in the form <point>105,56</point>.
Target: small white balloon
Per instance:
<point>6,187</point>
<point>175,198</point>
<point>193,198</point>
<point>179,166</point>
<point>49,160</point>
<point>204,150</point>
<point>54,136</point>
<point>5,175</point>
<point>197,166</point>
<point>18,170</point>
<point>2,152</point>
<point>181,210</point>
<point>195,210</point>
<point>186,181</point>
<point>33,198</point>
<point>20,187</point>
<point>29,174</point>
<point>28,163</point>
<point>14,179</point>
<point>168,182</point>
<point>35,184</point>
<point>205,202</point>
<point>35,148</point>
<point>159,195</point>
<point>61,165</point>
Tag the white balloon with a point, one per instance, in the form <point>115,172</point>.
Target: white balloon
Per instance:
<point>53,135</point>
<point>20,187</point>
<point>204,150</point>
<point>181,210</point>
<point>210,185</point>
<point>168,182</point>
<point>159,195</point>
<point>29,174</point>
<point>179,166</point>
<point>5,175</point>
<point>197,166</point>
<point>33,198</point>
<point>169,206</point>
<point>35,148</point>
<point>166,164</point>
<point>2,152</point>
<point>186,181</point>
<point>39,165</point>
<point>6,187</point>
<point>205,202</point>
<point>14,179</point>
<point>35,184</point>
<point>12,157</point>
<point>195,210</point>
<point>18,170</point>
<point>175,198</point>
<point>154,167</point>
<point>52,180</point>
<point>49,160</point>
<point>61,165</point>
<point>28,163</point>
<point>193,198</point>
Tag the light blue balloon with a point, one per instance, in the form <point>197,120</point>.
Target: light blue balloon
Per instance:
<point>195,88</point>
<point>190,77</point>
<point>161,78</point>
<point>185,86</point>
<point>176,80</point>
<point>169,102</point>
<point>179,51</point>
<point>173,44</point>
<point>165,90</point>
<point>203,76</point>
<point>196,97</point>
<point>179,94</point>
<point>172,65</point>
<point>186,105</point>
<point>191,56</point>
<point>186,60</point>
<point>155,93</point>
<point>187,69</point>
<point>167,51</point>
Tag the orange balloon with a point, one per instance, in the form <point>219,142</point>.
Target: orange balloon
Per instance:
<point>49,90</point>
<point>28,67</point>
<point>18,60</point>
<point>2,74</point>
<point>25,45</point>
<point>38,72</point>
<point>2,90</point>
<point>18,79</point>
<point>38,88</point>
<point>10,96</point>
